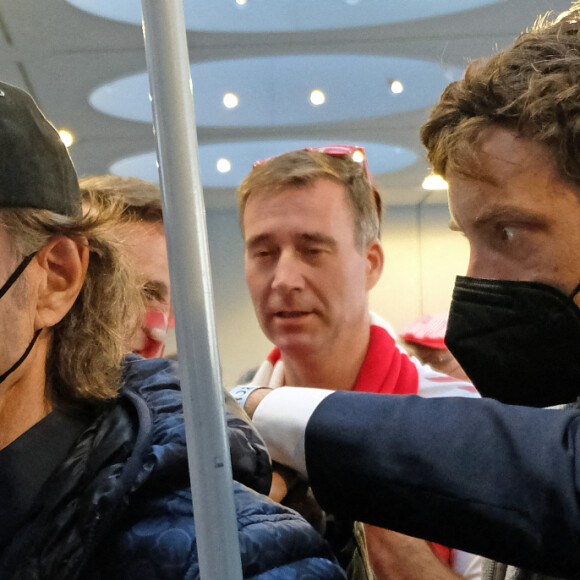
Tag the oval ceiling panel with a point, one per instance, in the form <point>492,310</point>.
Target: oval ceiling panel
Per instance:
<point>286,15</point>
<point>240,157</point>
<point>275,91</point>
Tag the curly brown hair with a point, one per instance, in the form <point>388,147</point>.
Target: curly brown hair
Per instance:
<point>88,345</point>
<point>531,88</point>
<point>301,168</point>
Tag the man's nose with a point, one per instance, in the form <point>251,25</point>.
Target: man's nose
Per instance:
<point>288,273</point>
<point>486,264</point>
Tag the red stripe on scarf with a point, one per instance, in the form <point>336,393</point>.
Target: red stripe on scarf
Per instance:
<point>385,369</point>
<point>274,356</point>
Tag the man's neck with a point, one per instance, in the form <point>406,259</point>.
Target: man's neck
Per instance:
<point>335,369</point>
<point>22,400</point>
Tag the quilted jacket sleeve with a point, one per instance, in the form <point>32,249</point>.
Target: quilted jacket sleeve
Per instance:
<point>250,460</point>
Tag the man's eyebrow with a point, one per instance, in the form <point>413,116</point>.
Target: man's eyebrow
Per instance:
<point>310,237</point>
<point>318,238</point>
<point>257,239</point>
<point>503,213</point>
<point>512,214</point>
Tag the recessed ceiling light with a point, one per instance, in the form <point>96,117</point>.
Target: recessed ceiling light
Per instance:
<point>434,182</point>
<point>396,86</point>
<point>223,165</point>
<point>317,97</point>
<point>66,137</point>
<point>241,2</point>
<point>230,100</point>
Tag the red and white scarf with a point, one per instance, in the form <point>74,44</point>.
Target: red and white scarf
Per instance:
<point>386,369</point>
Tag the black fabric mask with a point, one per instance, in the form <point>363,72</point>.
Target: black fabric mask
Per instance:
<point>7,285</point>
<point>519,342</point>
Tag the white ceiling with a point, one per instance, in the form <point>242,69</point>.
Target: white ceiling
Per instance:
<point>63,55</point>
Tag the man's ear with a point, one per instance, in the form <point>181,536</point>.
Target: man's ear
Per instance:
<point>375,262</point>
<point>64,262</point>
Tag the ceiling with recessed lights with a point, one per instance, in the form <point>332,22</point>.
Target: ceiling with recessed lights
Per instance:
<point>353,86</point>
<point>268,76</point>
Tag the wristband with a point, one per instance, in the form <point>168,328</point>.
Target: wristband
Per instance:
<point>241,393</point>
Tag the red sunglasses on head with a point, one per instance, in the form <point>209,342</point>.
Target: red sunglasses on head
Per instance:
<point>355,152</point>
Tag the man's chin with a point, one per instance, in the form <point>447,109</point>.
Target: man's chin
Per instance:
<point>293,333</point>
<point>295,344</point>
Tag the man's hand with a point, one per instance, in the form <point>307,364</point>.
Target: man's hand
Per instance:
<point>394,556</point>
<point>254,399</point>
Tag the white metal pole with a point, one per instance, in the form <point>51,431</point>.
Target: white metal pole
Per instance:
<point>191,287</point>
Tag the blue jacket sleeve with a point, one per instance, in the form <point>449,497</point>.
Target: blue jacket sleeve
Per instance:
<point>492,479</point>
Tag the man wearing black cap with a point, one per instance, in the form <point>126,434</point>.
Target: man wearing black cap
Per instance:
<point>93,466</point>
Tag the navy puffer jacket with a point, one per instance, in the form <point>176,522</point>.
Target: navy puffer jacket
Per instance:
<point>120,505</point>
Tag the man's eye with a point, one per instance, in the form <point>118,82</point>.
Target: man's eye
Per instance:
<point>151,294</point>
<point>312,250</point>
<point>263,256</point>
<point>508,233</point>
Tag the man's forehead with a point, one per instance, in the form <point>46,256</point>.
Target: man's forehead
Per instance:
<point>498,155</point>
<point>147,248</point>
<point>313,185</point>
<point>321,193</point>
<point>505,153</point>
<point>300,216</point>
<point>7,242</point>
<point>142,233</point>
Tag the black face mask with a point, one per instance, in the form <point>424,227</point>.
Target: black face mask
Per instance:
<point>7,285</point>
<point>519,342</point>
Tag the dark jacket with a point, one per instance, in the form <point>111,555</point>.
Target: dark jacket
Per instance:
<point>497,480</point>
<point>120,505</point>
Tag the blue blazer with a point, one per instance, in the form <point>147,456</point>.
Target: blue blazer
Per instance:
<point>497,480</point>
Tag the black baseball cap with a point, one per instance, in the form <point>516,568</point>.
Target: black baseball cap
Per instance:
<point>36,170</point>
